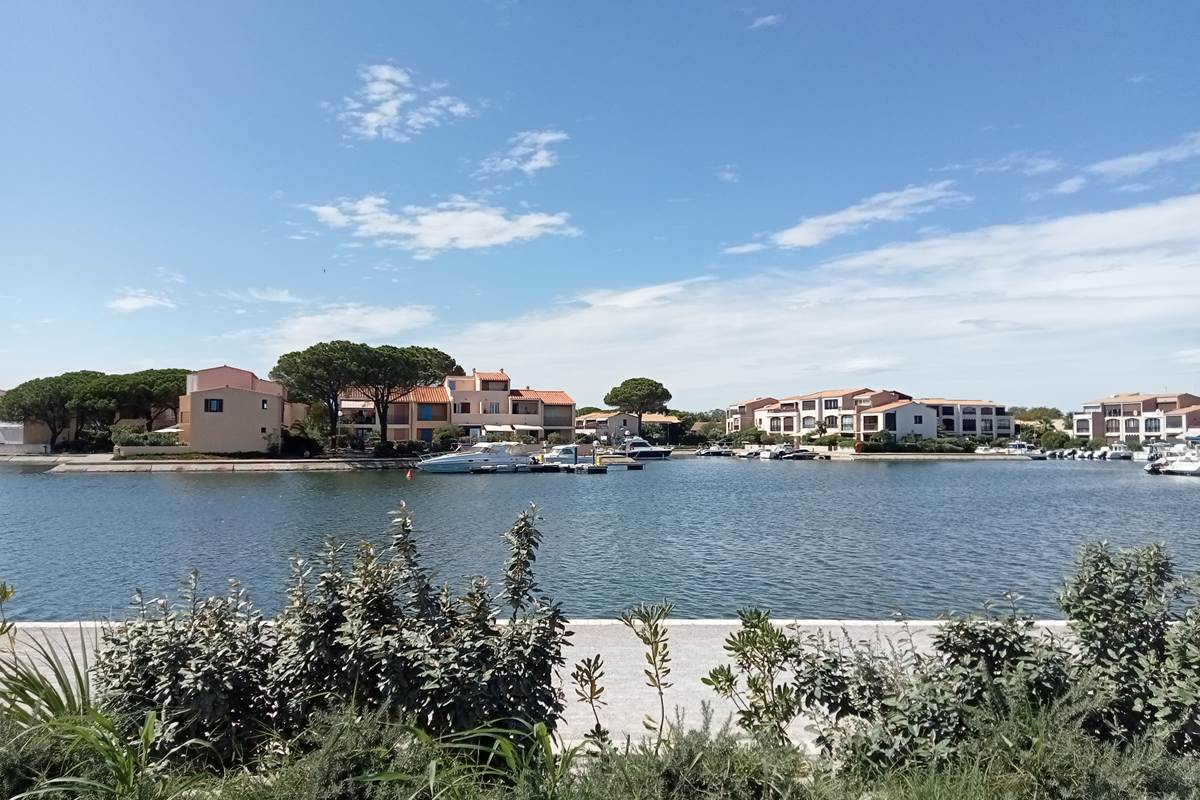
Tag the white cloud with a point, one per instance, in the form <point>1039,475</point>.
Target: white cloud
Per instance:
<point>529,151</point>
<point>1188,356</point>
<point>169,276</point>
<point>389,105</point>
<point>139,299</point>
<point>1017,161</point>
<point>457,224</point>
<point>740,249</point>
<point>1138,163</point>
<point>1069,185</point>
<point>882,207</point>
<point>995,311</point>
<point>728,173</point>
<point>769,21</point>
<point>357,322</point>
<point>264,295</point>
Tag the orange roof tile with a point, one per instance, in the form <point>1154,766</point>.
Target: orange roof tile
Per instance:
<point>890,406</point>
<point>427,394</point>
<point>1185,410</point>
<point>829,393</point>
<point>551,397</point>
<point>493,376</point>
<point>938,401</point>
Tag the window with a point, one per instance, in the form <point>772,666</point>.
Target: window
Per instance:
<point>495,386</point>
<point>831,422</point>
<point>1152,425</point>
<point>1003,424</point>
<point>808,405</point>
<point>847,423</point>
<point>431,412</point>
<point>263,430</point>
<point>493,408</point>
<point>776,425</point>
<point>789,423</point>
<point>808,422</point>
<point>1131,425</point>
<point>1112,426</point>
<point>1175,422</point>
<point>918,419</point>
<point>426,434</point>
<point>1001,411</point>
<point>968,426</point>
<point>947,423</point>
<point>1083,426</point>
<point>947,411</point>
<point>1112,411</point>
<point>889,421</point>
<point>870,423</point>
<point>985,426</point>
<point>968,410</point>
<point>463,407</point>
<point>986,410</point>
<point>264,404</point>
<point>214,405</point>
<point>833,403</point>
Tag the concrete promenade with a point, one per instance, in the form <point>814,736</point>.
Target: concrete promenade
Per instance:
<point>696,647</point>
<point>103,463</point>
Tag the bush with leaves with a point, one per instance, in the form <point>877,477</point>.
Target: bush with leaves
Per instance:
<point>368,629</point>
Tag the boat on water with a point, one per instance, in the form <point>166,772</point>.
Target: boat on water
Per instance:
<point>716,449</point>
<point>564,454</point>
<point>1117,451</point>
<point>1180,459</point>
<point>639,449</point>
<point>1025,449</point>
<point>799,455</point>
<point>776,452</point>
<point>482,457</point>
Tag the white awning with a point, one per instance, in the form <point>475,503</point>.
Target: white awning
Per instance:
<point>498,428</point>
<point>526,427</point>
<point>355,405</point>
<point>172,429</point>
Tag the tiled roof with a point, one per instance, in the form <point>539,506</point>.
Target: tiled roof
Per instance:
<point>422,394</point>
<point>1135,397</point>
<point>1186,410</point>
<point>830,393</point>
<point>939,401</point>
<point>890,406</point>
<point>492,376</point>
<point>660,419</point>
<point>647,417</point>
<point>551,397</point>
<point>764,399</point>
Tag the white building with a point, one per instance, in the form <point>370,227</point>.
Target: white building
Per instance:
<point>984,418</point>
<point>900,419</point>
<point>1134,417</point>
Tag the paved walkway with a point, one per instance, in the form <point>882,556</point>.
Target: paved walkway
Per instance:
<point>696,647</point>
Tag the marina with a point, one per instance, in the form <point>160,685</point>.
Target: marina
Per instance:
<point>843,538</point>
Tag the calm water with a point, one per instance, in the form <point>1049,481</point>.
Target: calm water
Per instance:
<point>803,539</point>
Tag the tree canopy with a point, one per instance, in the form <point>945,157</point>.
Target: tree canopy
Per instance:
<point>320,373</point>
<point>46,400</point>
<point>387,372</point>
<point>1035,413</point>
<point>638,396</point>
<point>587,410</point>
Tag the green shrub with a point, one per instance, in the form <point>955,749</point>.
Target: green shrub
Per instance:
<point>370,630</point>
<point>125,436</point>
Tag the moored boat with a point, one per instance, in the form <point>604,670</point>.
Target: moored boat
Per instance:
<point>485,456</point>
<point>639,449</point>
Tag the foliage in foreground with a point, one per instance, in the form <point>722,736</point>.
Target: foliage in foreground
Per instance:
<point>372,685</point>
<point>367,628</point>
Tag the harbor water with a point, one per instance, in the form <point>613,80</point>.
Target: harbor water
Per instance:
<point>803,539</point>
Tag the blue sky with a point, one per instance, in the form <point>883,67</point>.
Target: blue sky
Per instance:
<point>736,199</point>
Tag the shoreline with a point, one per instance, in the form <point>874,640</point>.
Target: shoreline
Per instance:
<point>103,463</point>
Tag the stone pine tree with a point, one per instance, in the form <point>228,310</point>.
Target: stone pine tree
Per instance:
<point>638,396</point>
<point>320,373</point>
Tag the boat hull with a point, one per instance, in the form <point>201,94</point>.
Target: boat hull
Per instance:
<point>637,455</point>
<point>463,466</point>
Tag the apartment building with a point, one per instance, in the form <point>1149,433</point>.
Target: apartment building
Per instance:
<point>1135,417</point>
<point>900,419</point>
<point>828,411</point>
<point>481,403</point>
<point>980,418</point>
<point>740,416</point>
<point>231,410</point>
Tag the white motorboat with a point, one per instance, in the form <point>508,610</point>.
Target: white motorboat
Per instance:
<point>775,452</point>
<point>482,457</point>
<point>1024,449</point>
<point>639,449</point>
<point>1117,451</point>
<point>1185,463</point>
<point>716,449</point>
<point>564,454</point>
